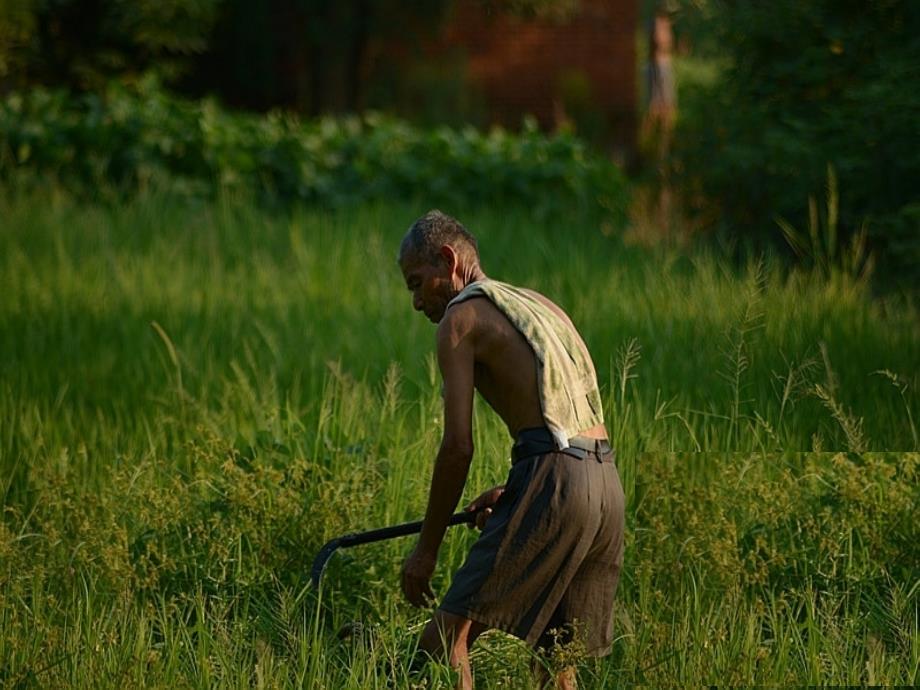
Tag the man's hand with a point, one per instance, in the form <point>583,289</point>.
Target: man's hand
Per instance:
<point>484,504</point>
<point>416,578</point>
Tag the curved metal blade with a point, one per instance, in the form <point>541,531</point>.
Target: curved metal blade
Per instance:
<point>322,558</point>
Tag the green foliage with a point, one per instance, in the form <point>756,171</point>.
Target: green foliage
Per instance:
<point>808,548</point>
<point>807,85</point>
<point>132,139</point>
<point>196,395</point>
<point>166,27</point>
<point>17,24</point>
<point>819,247</point>
<point>84,44</point>
<point>789,521</point>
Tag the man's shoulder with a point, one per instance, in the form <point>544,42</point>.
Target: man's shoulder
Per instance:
<point>467,314</point>
<point>478,317</point>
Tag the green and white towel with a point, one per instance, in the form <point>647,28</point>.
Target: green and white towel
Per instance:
<point>566,379</point>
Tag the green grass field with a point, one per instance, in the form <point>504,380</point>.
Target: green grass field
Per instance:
<point>194,398</point>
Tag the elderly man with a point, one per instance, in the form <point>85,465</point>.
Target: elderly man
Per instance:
<point>546,565</point>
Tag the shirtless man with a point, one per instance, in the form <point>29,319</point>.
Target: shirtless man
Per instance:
<point>548,559</point>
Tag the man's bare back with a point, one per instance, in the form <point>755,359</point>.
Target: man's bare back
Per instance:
<point>505,370</point>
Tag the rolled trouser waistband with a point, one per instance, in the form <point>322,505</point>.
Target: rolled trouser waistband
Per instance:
<point>539,441</point>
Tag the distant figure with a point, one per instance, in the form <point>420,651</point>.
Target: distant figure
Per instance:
<point>546,566</point>
<point>661,110</point>
<point>661,105</point>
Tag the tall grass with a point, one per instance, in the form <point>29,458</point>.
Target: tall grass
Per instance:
<point>193,398</point>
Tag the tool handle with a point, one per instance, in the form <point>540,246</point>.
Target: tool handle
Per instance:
<point>325,553</point>
<point>399,530</point>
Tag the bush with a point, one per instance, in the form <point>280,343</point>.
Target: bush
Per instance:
<point>129,139</point>
<point>809,85</point>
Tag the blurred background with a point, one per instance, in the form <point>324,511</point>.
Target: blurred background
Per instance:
<point>790,125</point>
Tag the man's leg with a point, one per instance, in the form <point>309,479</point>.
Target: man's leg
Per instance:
<point>553,653</point>
<point>449,637</point>
<point>546,665</point>
<point>566,679</point>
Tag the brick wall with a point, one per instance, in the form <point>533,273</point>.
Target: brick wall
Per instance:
<point>554,69</point>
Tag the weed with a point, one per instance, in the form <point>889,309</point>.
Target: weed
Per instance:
<point>164,491</point>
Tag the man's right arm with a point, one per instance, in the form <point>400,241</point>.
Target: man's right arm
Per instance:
<point>456,360</point>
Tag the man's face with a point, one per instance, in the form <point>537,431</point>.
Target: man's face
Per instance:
<point>430,284</point>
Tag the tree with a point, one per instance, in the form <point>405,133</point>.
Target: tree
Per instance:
<point>808,84</point>
<point>310,55</point>
<point>84,43</point>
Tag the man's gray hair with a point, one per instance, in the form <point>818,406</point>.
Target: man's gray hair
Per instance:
<point>431,232</point>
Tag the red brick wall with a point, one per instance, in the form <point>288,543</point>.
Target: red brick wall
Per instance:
<point>523,66</point>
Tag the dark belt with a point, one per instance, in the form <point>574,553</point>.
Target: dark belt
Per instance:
<point>539,441</point>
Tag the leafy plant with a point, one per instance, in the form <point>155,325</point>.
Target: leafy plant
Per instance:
<point>820,247</point>
<point>804,85</point>
<point>131,138</point>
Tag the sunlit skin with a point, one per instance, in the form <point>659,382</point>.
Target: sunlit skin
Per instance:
<point>478,349</point>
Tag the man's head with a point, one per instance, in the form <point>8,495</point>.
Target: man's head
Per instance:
<point>438,258</point>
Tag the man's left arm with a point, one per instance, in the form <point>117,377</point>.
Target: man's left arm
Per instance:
<point>456,355</point>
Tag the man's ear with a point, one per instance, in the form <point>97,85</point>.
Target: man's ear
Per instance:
<point>450,256</point>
